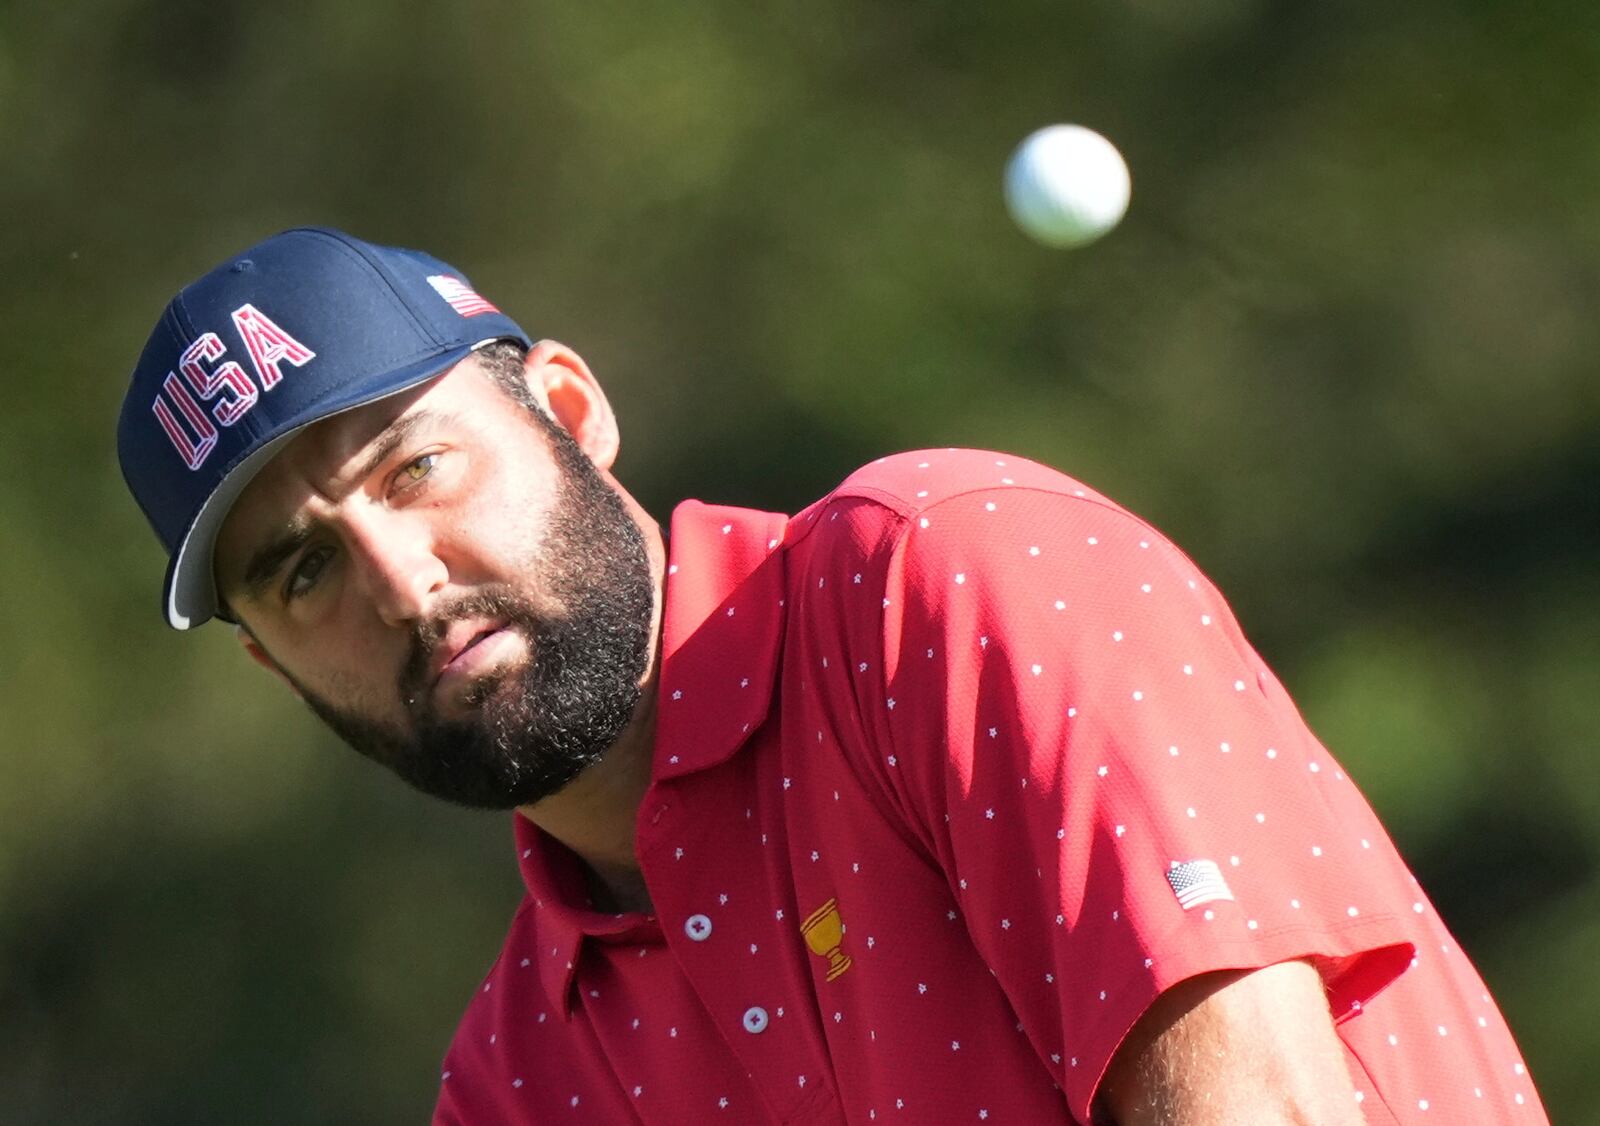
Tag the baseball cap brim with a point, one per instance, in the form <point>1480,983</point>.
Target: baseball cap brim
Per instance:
<point>190,592</point>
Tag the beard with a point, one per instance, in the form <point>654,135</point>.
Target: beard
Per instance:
<point>527,734</point>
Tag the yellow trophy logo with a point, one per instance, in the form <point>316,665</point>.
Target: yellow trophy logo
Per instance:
<point>824,933</point>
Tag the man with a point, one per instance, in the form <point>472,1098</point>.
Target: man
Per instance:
<point>957,797</point>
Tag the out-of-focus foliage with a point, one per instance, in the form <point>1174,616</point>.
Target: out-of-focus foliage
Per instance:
<point>1343,348</point>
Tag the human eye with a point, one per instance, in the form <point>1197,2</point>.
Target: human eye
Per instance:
<point>415,471</point>
<point>305,574</point>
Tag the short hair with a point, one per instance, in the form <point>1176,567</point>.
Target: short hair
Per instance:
<point>502,361</point>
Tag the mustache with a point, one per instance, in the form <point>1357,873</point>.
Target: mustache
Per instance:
<point>497,600</point>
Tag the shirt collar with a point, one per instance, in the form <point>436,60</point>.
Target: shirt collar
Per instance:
<point>562,916</point>
<point>720,632</point>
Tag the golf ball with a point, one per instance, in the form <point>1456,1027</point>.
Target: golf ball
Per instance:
<point>1066,185</point>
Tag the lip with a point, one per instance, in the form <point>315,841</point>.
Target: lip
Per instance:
<point>457,652</point>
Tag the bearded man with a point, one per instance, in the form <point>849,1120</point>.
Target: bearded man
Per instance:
<point>957,797</point>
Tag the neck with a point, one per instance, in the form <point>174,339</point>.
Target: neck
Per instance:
<point>596,814</point>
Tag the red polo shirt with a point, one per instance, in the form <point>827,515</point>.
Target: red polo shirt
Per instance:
<point>955,772</point>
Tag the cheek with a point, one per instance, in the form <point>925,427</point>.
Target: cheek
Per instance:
<point>353,676</point>
<point>357,687</point>
<point>500,531</point>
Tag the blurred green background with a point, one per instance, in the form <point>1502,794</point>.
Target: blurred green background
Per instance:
<point>1343,349</point>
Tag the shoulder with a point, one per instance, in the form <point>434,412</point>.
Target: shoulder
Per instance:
<point>882,500</point>
<point>935,507</point>
<point>920,479</point>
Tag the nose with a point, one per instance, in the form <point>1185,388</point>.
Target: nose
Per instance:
<point>398,566</point>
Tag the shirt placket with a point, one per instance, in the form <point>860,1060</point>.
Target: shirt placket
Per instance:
<point>731,927</point>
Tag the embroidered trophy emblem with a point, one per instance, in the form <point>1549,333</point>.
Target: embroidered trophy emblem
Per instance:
<point>824,933</point>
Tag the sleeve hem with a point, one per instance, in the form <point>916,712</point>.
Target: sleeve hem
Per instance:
<point>1358,960</point>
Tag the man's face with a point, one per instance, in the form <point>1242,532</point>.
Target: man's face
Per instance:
<point>451,585</point>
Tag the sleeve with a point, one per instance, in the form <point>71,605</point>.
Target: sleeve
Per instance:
<point>1119,791</point>
<point>475,1086</point>
<point>445,1111</point>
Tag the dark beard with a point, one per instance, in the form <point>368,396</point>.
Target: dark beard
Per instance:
<point>530,733</point>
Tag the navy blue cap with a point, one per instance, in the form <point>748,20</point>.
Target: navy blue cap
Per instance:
<point>309,323</point>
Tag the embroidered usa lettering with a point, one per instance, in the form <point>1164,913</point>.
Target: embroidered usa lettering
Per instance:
<point>191,428</point>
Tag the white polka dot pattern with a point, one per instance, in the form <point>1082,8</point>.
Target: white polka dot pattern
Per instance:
<point>926,754</point>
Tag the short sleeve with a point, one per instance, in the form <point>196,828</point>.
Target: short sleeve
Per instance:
<point>1119,791</point>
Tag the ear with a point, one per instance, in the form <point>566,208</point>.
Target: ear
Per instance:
<point>559,377</point>
<point>261,657</point>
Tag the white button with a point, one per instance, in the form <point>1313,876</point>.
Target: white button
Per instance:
<point>755,1019</point>
<point>697,927</point>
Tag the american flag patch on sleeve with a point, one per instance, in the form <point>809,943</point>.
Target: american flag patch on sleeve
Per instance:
<point>1198,881</point>
<point>461,296</point>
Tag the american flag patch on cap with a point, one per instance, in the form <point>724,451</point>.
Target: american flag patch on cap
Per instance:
<point>1197,881</point>
<point>461,296</point>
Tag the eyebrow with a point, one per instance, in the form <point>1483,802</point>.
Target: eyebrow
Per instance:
<point>267,560</point>
<point>271,556</point>
<point>393,435</point>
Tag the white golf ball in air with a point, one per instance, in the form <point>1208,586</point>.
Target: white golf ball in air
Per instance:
<point>1066,185</point>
